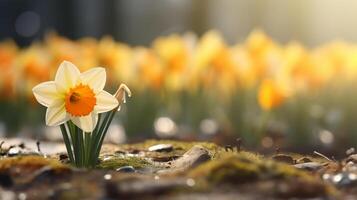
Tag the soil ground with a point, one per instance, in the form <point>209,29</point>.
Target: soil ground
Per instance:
<point>168,169</point>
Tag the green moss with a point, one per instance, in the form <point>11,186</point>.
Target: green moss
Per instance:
<point>117,162</point>
<point>226,168</point>
<point>245,155</point>
<point>244,166</point>
<point>30,162</point>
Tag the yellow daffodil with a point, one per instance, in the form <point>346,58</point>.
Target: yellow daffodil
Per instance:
<point>75,96</point>
<point>270,94</point>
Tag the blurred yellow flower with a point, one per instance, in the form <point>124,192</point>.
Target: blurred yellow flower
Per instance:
<point>174,52</point>
<point>149,70</point>
<point>8,75</point>
<point>270,95</point>
<point>118,58</point>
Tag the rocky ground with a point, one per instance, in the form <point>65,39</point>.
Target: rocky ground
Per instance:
<point>173,170</point>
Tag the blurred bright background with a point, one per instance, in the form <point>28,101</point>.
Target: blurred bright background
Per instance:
<point>275,73</point>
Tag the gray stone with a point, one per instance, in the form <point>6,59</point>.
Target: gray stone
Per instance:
<point>126,169</point>
<point>14,151</point>
<point>309,166</point>
<point>161,148</point>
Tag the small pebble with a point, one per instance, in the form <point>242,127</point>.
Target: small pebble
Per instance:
<point>337,178</point>
<point>22,196</point>
<point>161,148</point>
<point>350,151</point>
<point>107,176</point>
<point>190,182</point>
<point>352,176</point>
<point>14,151</point>
<point>344,179</point>
<point>126,169</point>
<point>341,179</point>
<point>284,158</point>
<point>312,166</point>
<point>107,157</point>
<point>326,177</point>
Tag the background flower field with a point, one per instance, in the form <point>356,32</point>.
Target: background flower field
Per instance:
<point>188,86</point>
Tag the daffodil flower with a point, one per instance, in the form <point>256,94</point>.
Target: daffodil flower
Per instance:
<point>75,96</point>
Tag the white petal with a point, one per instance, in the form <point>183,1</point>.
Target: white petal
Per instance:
<point>86,123</point>
<point>56,114</point>
<point>46,93</point>
<point>95,78</point>
<point>67,76</point>
<point>105,102</point>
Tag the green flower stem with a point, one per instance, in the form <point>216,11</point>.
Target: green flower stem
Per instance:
<point>72,131</point>
<point>98,133</point>
<point>77,148</point>
<point>91,156</point>
<point>67,142</point>
<point>81,150</point>
<point>84,148</point>
<point>87,143</point>
<point>103,133</point>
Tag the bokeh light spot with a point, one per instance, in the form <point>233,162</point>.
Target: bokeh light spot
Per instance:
<point>27,24</point>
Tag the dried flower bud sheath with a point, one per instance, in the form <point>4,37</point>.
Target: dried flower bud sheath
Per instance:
<point>120,94</point>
